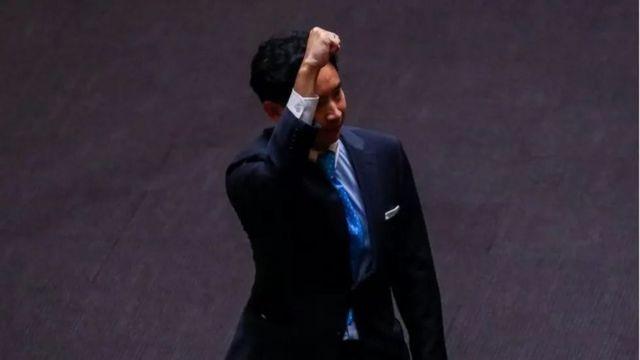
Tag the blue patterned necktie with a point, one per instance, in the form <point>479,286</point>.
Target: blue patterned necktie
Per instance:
<point>356,228</point>
<point>327,161</point>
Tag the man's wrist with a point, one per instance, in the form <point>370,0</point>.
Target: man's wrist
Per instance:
<point>309,66</point>
<point>306,80</point>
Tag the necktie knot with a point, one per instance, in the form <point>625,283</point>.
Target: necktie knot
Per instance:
<point>327,161</point>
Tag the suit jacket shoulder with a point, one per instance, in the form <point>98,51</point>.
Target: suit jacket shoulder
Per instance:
<point>370,136</point>
<point>253,151</point>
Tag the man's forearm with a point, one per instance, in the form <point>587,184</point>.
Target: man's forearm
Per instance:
<point>284,145</point>
<point>306,80</point>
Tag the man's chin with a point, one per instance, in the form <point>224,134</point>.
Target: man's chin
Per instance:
<point>325,139</point>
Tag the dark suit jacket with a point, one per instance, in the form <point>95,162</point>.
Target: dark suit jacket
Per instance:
<point>297,228</point>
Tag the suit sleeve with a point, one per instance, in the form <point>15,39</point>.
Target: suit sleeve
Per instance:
<point>256,185</point>
<point>413,276</point>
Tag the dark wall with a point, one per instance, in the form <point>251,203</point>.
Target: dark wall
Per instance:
<point>117,120</point>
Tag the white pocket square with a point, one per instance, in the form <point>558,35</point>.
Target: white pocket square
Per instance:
<point>391,213</point>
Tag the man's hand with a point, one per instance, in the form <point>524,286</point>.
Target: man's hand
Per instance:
<point>320,45</point>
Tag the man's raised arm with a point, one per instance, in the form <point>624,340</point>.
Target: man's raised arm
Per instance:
<point>253,183</point>
<point>294,134</point>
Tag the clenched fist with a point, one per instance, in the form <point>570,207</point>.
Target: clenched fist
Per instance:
<point>320,45</point>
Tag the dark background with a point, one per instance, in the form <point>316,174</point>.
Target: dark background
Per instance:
<point>117,120</point>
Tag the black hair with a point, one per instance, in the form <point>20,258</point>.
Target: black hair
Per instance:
<point>275,66</point>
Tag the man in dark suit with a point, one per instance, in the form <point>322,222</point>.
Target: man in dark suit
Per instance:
<point>334,220</point>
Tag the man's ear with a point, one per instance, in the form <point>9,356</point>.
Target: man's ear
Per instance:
<point>273,110</point>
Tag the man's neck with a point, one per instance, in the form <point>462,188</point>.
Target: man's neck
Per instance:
<point>314,153</point>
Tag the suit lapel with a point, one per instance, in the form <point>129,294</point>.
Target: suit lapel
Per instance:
<point>363,163</point>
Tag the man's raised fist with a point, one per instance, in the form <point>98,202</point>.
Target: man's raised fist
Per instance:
<point>320,45</point>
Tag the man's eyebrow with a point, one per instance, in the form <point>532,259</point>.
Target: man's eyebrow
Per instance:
<point>336,88</point>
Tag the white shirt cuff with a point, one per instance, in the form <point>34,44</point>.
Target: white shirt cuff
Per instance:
<point>303,108</point>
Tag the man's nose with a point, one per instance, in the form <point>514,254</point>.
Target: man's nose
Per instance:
<point>334,114</point>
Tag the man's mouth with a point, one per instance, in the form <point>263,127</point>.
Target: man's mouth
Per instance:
<point>335,128</point>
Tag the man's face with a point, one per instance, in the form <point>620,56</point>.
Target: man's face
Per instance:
<point>330,113</point>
